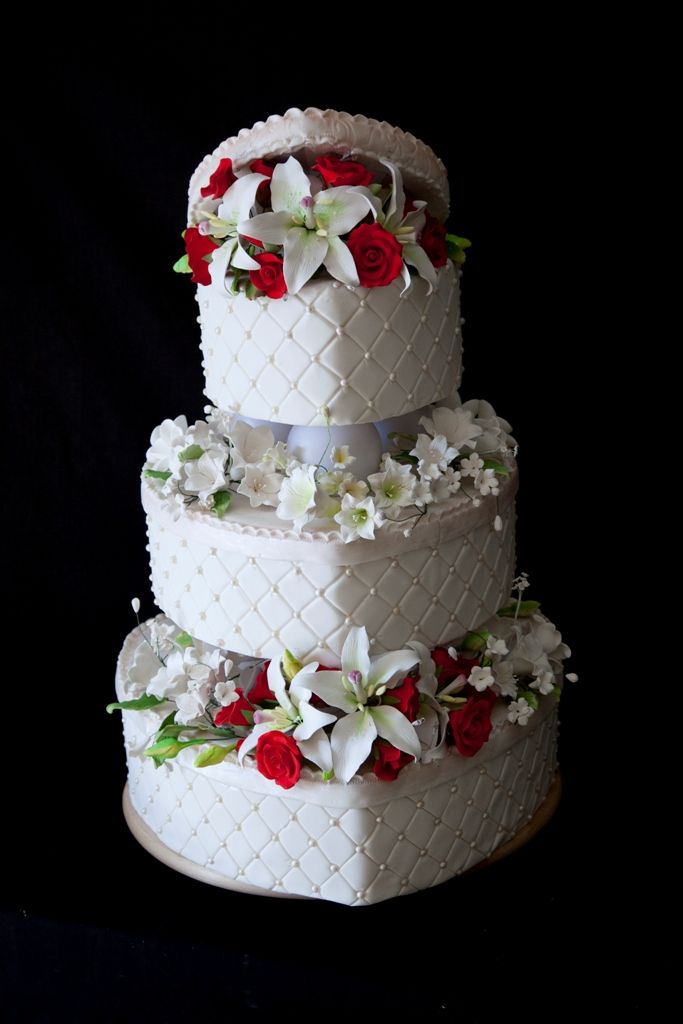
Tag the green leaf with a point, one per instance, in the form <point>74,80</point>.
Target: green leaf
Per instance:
<point>556,692</point>
<point>140,704</point>
<point>169,720</point>
<point>497,466</point>
<point>447,699</point>
<point>213,755</point>
<point>171,730</point>
<point>251,291</point>
<point>475,641</point>
<point>191,454</point>
<point>531,698</point>
<point>526,608</point>
<point>182,266</point>
<point>158,474</point>
<point>184,640</point>
<point>221,502</point>
<point>170,747</point>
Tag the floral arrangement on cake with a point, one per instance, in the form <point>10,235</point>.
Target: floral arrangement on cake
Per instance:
<point>269,229</point>
<point>369,714</point>
<point>465,450</point>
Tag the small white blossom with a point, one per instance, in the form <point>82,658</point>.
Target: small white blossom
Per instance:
<point>166,441</point>
<point>394,486</point>
<point>544,683</point>
<point>204,476</point>
<point>486,482</point>
<point>356,488</point>
<point>452,653</point>
<point>135,604</point>
<point>481,678</point>
<point>446,486</point>
<point>330,480</point>
<point>297,496</point>
<point>572,677</point>
<point>471,465</point>
<point>260,485</point>
<point>506,681</point>
<point>497,524</point>
<point>422,495</point>
<point>521,582</point>
<point>495,646</point>
<point>520,712</point>
<point>433,454</point>
<point>226,692</point>
<point>357,519</point>
<point>340,457</point>
<point>190,706</point>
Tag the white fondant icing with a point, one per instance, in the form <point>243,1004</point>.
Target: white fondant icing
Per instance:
<point>365,354</point>
<point>245,583</point>
<point>310,132</point>
<point>357,843</point>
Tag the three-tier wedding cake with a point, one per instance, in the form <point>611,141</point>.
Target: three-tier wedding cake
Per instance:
<point>347,696</point>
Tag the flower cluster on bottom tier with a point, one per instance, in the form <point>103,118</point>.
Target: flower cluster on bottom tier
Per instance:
<point>468,736</point>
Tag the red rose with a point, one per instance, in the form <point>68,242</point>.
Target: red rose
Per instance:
<point>263,191</point>
<point>260,691</point>
<point>278,758</point>
<point>389,761</point>
<point>408,697</point>
<point>197,246</point>
<point>448,669</point>
<point>221,180</point>
<point>334,171</point>
<point>232,714</point>
<point>269,278</point>
<point>377,254</point>
<point>470,726</point>
<point>433,241</point>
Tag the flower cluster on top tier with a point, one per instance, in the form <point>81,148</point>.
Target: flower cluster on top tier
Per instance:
<point>376,714</point>
<point>464,450</point>
<point>270,228</point>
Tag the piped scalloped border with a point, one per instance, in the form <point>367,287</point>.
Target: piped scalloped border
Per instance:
<point>442,522</point>
<point>323,130</point>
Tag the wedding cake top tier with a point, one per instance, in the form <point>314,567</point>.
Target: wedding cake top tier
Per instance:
<point>310,132</point>
<point>328,285</point>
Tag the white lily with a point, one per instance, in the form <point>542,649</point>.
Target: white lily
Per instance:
<point>356,689</point>
<point>357,518</point>
<point>456,425</point>
<point>235,206</point>
<point>407,229</point>
<point>260,485</point>
<point>294,714</point>
<point>394,486</point>
<point>249,446</point>
<point>297,496</point>
<point>309,226</point>
<point>433,715</point>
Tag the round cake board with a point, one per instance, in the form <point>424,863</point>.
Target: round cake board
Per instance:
<point>153,845</point>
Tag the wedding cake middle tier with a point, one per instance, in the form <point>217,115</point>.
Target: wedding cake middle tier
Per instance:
<point>246,583</point>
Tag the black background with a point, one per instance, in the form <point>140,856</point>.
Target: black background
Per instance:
<point>103,344</point>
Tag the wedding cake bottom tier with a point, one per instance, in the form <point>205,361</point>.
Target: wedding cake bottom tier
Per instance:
<point>357,843</point>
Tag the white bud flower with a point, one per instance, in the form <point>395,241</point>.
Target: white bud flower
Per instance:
<point>135,604</point>
<point>497,524</point>
<point>572,677</point>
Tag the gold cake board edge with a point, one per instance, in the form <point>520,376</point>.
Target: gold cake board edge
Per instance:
<point>147,839</point>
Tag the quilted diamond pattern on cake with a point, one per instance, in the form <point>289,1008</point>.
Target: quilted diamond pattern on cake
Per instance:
<point>254,605</point>
<point>350,854</point>
<point>366,354</point>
